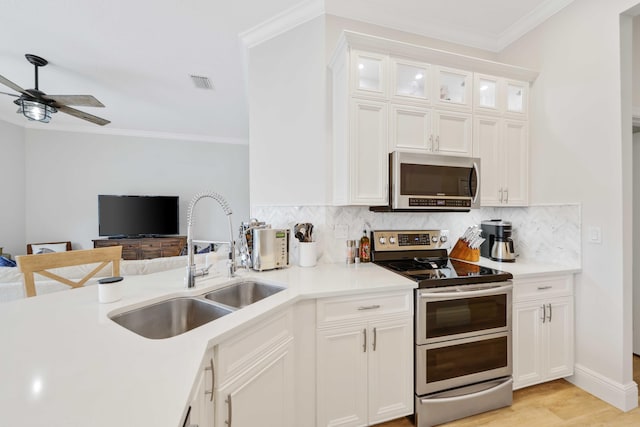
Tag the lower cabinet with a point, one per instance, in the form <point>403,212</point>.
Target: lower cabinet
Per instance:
<point>202,403</point>
<point>254,375</point>
<point>365,361</point>
<point>543,330</point>
<point>260,396</point>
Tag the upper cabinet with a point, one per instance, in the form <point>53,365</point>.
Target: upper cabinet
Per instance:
<point>453,88</point>
<point>500,96</point>
<point>411,81</point>
<point>389,95</point>
<point>369,74</point>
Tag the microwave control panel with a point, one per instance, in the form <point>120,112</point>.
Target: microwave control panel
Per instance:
<point>402,240</point>
<point>433,202</point>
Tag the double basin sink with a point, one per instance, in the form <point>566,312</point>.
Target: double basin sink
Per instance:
<point>174,316</point>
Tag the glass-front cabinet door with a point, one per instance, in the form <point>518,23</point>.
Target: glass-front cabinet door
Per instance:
<point>517,97</point>
<point>369,74</point>
<point>487,94</point>
<point>453,88</point>
<point>410,81</point>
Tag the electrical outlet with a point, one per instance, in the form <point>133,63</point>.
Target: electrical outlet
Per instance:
<point>340,231</point>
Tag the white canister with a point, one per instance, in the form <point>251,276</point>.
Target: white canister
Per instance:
<point>307,254</point>
<point>109,289</point>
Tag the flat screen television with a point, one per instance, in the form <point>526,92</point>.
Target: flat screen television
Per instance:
<point>134,216</point>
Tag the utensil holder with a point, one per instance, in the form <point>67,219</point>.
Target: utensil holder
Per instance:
<point>307,254</point>
<point>462,251</point>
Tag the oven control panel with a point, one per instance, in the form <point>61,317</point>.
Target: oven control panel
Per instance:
<point>404,240</point>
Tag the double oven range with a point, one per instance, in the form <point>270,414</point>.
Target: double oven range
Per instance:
<point>463,360</point>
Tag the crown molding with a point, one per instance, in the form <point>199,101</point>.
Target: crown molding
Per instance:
<point>452,34</point>
<point>282,22</point>
<point>530,21</point>
<point>51,127</point>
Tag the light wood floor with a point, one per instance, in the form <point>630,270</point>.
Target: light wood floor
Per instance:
<point>556,403</point>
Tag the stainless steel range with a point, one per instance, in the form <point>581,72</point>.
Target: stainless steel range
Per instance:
<point>463,361</point>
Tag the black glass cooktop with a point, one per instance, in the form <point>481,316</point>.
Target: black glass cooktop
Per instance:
<point>437,271</point>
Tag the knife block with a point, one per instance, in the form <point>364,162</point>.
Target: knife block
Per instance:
<point>462,251</point>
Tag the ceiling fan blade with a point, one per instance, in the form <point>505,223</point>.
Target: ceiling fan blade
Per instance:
<point>10,94</point>
<point>79,100</point>
<point>5,81</point>
<point>82,115</point>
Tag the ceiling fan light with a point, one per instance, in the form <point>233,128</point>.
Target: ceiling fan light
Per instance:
<point>34,110</point>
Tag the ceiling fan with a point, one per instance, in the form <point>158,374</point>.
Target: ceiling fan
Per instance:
<point>37,105</point>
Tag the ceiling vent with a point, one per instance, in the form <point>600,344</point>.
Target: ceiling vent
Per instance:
<point>202,82</point>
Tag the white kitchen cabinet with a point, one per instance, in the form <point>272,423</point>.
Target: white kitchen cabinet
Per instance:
<point>202,402</point>
<point>255,376</point>
<point>452,133</point>
<point>388,95</point>
<point>543,330</point>
<point>411,82</point>
<point>369,74</point>
<point>430,130</point>
<point>361,161</point>
<point>503,148</point>
<point>500,96</point>
<point>411,128</point>
<point>364,360</point>
<point>262,395</point>
<point>453,88</point>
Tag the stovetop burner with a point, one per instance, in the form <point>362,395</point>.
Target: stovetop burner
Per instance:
<point>428,266</point>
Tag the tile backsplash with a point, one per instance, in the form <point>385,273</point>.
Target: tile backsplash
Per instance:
<point>546,234</point>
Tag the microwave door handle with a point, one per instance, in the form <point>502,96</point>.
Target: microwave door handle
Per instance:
<point>476,172</point>
<point>465,294</point>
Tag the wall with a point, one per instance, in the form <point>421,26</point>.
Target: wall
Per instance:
<point>12,213</point>
<point>66,171</point>
<point>287,118</point>
<point>581,145</point>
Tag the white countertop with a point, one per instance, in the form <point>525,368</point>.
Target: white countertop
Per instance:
<point>63,362</point>
<point>523,268</point>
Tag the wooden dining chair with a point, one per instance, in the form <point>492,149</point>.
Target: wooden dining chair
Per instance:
<point>48,245</point>
<point>41,263</point>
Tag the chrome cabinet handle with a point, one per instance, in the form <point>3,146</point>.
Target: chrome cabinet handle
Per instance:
<point>431,143</point>
<point>549,312</point>
<point>229,410</point>
<point>501,192</point>
<point>542,288</point>
<point>438,143</point>
<point>213,378</point>
<point>375,338</point>
<point>369,307</point>
<point>544,313</point>
<point>506,199</point>
<point>364,346</point>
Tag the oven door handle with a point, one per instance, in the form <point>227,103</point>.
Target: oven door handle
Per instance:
<point>465,294</point>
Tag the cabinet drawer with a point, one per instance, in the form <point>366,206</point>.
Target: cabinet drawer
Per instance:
<point>344,309</point>
<point>542,287</point>
<point>246,348</point>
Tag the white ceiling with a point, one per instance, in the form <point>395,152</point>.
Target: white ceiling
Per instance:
<point>136,56</point>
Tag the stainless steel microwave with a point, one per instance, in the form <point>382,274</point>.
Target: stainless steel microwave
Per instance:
<point>432,182</point>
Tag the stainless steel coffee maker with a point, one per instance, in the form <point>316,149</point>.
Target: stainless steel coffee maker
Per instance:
<point>498,244</point>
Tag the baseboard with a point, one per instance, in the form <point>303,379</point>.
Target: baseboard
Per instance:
<point>622,396</point>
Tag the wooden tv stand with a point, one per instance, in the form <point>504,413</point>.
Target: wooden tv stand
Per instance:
<point>146,247</point>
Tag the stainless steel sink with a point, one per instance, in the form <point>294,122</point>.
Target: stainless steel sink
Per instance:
<point>241,294</point>
<point>169,318</point>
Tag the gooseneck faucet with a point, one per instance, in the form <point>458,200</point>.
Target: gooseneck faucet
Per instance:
<point>191,266</point>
